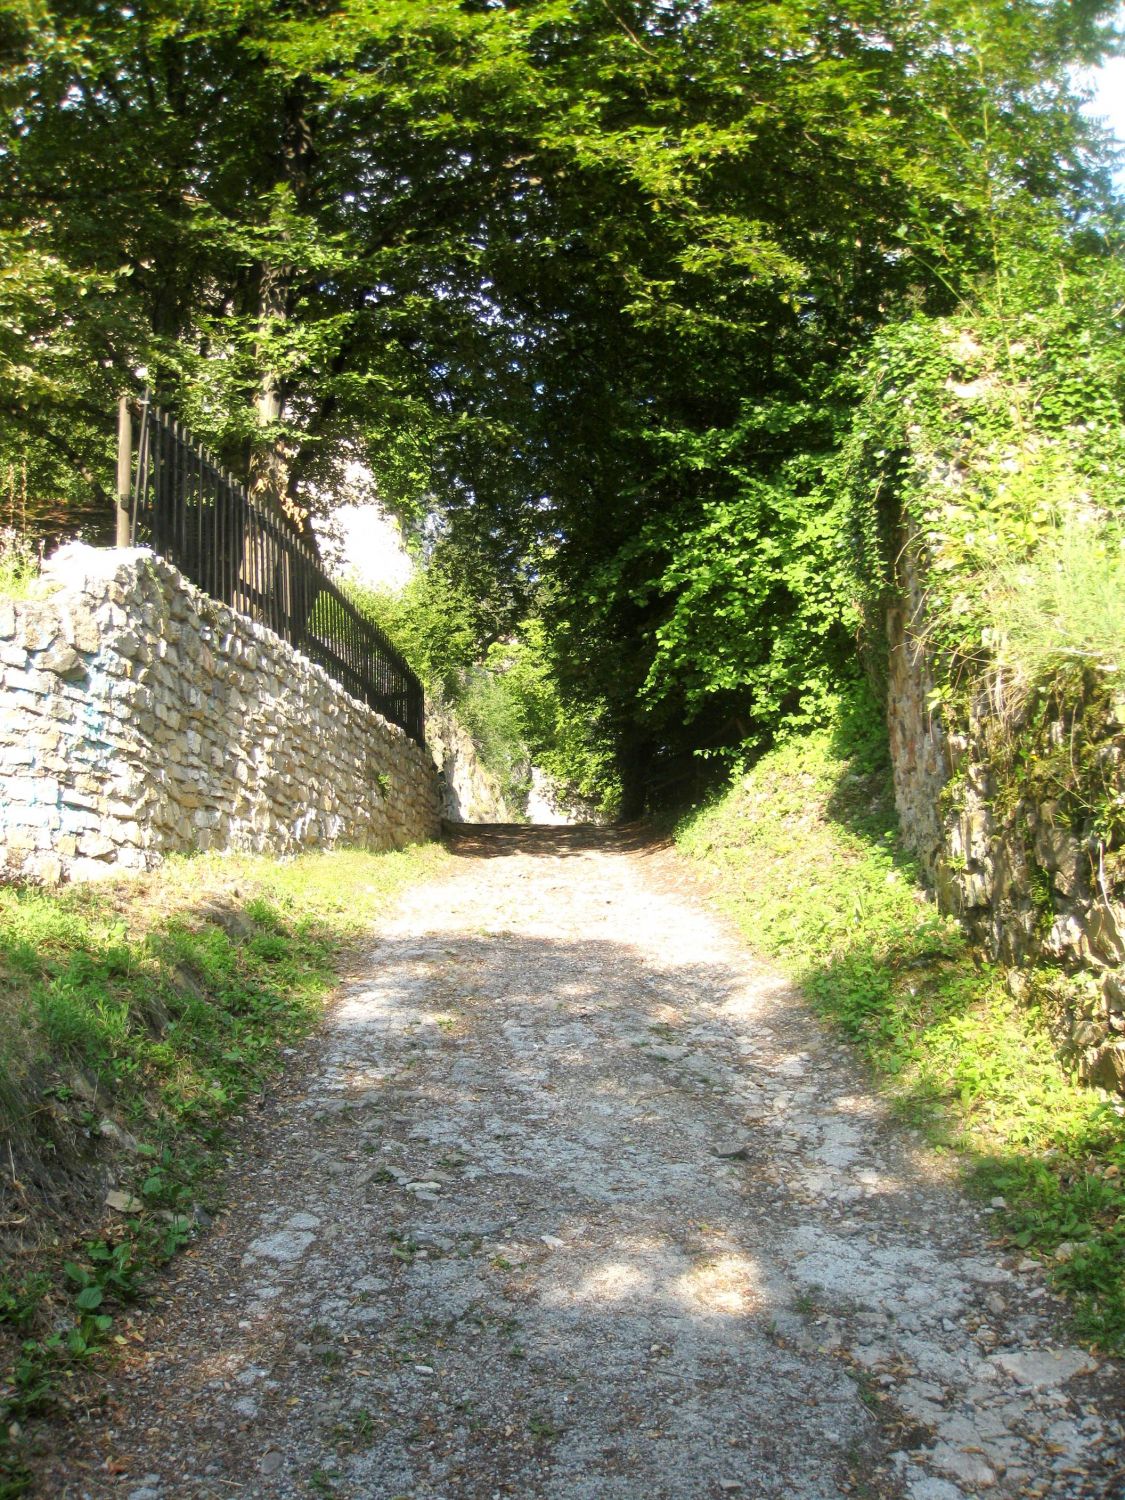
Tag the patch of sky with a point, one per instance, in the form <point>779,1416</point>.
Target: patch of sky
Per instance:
<point>1106,105</point>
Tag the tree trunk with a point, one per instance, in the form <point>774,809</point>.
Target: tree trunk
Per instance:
<point>269,456</point>
<point>635,765</point>
<point>271,459</point>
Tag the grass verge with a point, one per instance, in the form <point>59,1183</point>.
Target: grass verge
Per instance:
<point>138,1019</point>
<point>810,871</point>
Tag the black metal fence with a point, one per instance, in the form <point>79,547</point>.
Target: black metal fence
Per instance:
<point>251,556</point>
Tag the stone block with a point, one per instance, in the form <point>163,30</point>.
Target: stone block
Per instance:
<point>1067,938</point>
<point>44,869</point>
<point>1087,1034</point>
<point>35,818</point>
<point>1058,852</point>
<point>31,789</point>
<point>80,630</point>
<point>96,845</point>
<point>1104,1067</point>
<point>111,617</point>
<point>1105,929</point>
<point>40,626</point>
<point>63,661</point>
<point>27,680</point>
<point>1113,992</point>
<point>91,869</point>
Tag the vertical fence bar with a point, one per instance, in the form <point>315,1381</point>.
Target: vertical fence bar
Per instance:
<point>231,540</point>
<point>198,483</point>
<point>177,478</point>
<point>220,535</point>
<point>251,552</point>
<point>217,533</point>
<point>242,559</point>
<point>140,486</point>
<point>156,506</point>
<point>172,489</point>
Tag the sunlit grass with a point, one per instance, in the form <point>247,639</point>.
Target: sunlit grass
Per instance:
<point>19,565</point>
<point>805,844</point>
<point>161,1004</point>
<point>1062,606</point>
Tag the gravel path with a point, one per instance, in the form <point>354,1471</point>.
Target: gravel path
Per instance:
<point>573,1199</point>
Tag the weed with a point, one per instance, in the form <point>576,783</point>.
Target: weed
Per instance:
<point>402,1248</point>
<point>867,1390</point>
<point>363,1427</point>
<point>20,562</point>
<point>541,1426</point>
<point>1066,603</point>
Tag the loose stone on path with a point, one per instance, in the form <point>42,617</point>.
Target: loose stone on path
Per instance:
<point>572,1199</point>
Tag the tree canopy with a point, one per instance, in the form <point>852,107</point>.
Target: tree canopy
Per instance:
<point>585,283</point>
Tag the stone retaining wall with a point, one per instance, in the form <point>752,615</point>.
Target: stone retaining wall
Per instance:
<point>1021,856</point>
<point>138,717</point>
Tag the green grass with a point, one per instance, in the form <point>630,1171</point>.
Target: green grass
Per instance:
<point>810,870</point>
<point>155,1009</point>
<point>1063,606</point>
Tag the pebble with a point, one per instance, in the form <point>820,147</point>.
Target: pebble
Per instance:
<point>1044,1368</point>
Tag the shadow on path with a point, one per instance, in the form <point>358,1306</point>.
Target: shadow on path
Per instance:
<point>549,841</point>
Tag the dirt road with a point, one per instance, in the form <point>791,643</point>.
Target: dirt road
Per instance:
<point>574,1199</point>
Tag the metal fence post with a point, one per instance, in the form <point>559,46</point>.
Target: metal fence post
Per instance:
<point>124,473</point>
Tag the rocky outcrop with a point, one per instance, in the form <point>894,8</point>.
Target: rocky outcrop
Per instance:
<point>140,717</point>
<point>1015,816</point>
<point>469,793</point>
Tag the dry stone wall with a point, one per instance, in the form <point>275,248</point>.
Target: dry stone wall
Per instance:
<point>138,717</point>
<point>1008,820</point>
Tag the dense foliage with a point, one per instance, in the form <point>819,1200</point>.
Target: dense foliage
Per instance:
<point>988,443</point>
<point>585,279</point>
<point>505,693</point>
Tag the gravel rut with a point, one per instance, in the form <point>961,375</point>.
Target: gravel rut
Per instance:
<point>572,1198</point>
